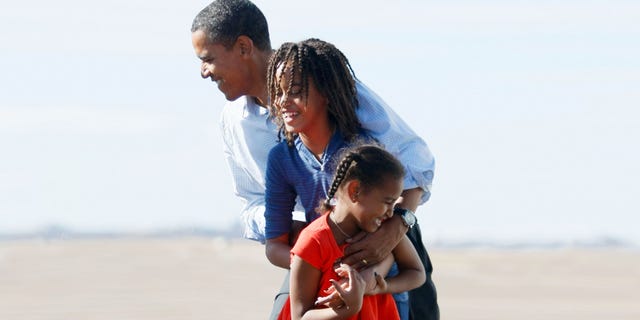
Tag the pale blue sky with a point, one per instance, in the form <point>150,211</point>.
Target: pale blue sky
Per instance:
<point>530,107</point>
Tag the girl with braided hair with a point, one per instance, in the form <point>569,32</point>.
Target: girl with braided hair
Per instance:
<point>367,183</point>
<point>312,90</point>
<point>313,94</point>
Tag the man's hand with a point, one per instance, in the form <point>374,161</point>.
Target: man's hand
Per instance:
<point>374,247</point>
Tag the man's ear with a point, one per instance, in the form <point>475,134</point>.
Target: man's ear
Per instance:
<point>353,190</point>
<point>245,45</point>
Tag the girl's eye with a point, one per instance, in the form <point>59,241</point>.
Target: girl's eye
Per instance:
<point>296,90</point>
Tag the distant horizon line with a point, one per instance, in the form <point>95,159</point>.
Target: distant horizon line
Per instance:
<point>234,232</point>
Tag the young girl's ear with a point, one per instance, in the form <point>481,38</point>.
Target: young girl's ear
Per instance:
<point>353,190</point>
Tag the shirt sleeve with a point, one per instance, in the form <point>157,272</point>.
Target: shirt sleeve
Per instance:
<point>381,122</point>
<point>309,248</point>
<point>280,196</point>
<point>246,188</point>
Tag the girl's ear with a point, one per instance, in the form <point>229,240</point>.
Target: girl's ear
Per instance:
<point>353,190</point>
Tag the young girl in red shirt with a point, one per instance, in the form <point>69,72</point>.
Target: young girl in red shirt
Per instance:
<point>367,183</point>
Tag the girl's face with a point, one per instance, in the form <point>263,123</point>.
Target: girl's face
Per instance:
<point>300,111</point>
<point>375,205</point>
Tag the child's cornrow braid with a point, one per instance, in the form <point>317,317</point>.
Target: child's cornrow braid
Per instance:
<point>341,173</point>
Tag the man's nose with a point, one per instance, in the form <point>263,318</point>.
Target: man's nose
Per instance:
<point>204,71</point>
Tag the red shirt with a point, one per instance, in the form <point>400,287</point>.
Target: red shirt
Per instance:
<point>318,247</point>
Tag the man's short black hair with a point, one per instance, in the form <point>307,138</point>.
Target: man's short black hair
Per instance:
<point>223,21</point>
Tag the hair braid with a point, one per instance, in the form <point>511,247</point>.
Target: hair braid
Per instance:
<point>329,70</point>
<point>367,163</point>
<point>347,163</point>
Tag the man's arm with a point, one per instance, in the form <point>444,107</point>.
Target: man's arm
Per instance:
<point>247,187</point>
<point>382,123</point>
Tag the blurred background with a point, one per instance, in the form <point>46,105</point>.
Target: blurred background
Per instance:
<point>530,108</point>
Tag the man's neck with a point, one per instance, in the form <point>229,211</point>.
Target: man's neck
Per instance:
<point>261,96</point>
<point>261,101</point>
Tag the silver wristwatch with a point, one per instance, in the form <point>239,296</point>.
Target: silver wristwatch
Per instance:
<point>408,217</point>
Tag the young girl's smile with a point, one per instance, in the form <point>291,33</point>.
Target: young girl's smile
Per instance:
<point>376,205</point>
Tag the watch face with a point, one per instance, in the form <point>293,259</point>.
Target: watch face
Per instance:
<point>407,215</point>
<point>410,217</point>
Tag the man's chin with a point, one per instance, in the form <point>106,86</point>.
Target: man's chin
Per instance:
<point>231,97</point>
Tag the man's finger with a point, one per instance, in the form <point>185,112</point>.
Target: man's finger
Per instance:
<point>353,258</point>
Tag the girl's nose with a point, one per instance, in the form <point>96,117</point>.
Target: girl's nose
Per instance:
<point>284,99</point>
<point>389,212</point>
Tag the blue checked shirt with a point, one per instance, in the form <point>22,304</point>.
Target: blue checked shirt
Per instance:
<point>249,135</point>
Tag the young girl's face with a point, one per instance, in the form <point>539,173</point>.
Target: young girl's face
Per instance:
<point>376,204</point>
<point>300,111</point>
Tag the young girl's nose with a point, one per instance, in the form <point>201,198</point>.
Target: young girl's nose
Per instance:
<point>284,99</point>
<point>389,212</point>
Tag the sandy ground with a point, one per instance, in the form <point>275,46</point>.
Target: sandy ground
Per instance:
<point>217,279</point>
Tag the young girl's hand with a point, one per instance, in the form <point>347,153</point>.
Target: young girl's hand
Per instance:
<point>332,300</point>
<point>353,293</point>
<point>381,285</point>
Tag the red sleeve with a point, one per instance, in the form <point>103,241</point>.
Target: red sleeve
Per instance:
<point>309,245</point>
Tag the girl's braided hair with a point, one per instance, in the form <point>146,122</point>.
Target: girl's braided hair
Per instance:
<point>369,164</point>
<point>331,74</point>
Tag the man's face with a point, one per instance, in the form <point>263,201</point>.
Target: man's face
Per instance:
<point>226,67</point>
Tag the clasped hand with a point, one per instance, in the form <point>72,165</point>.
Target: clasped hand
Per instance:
<point>352,286</point>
